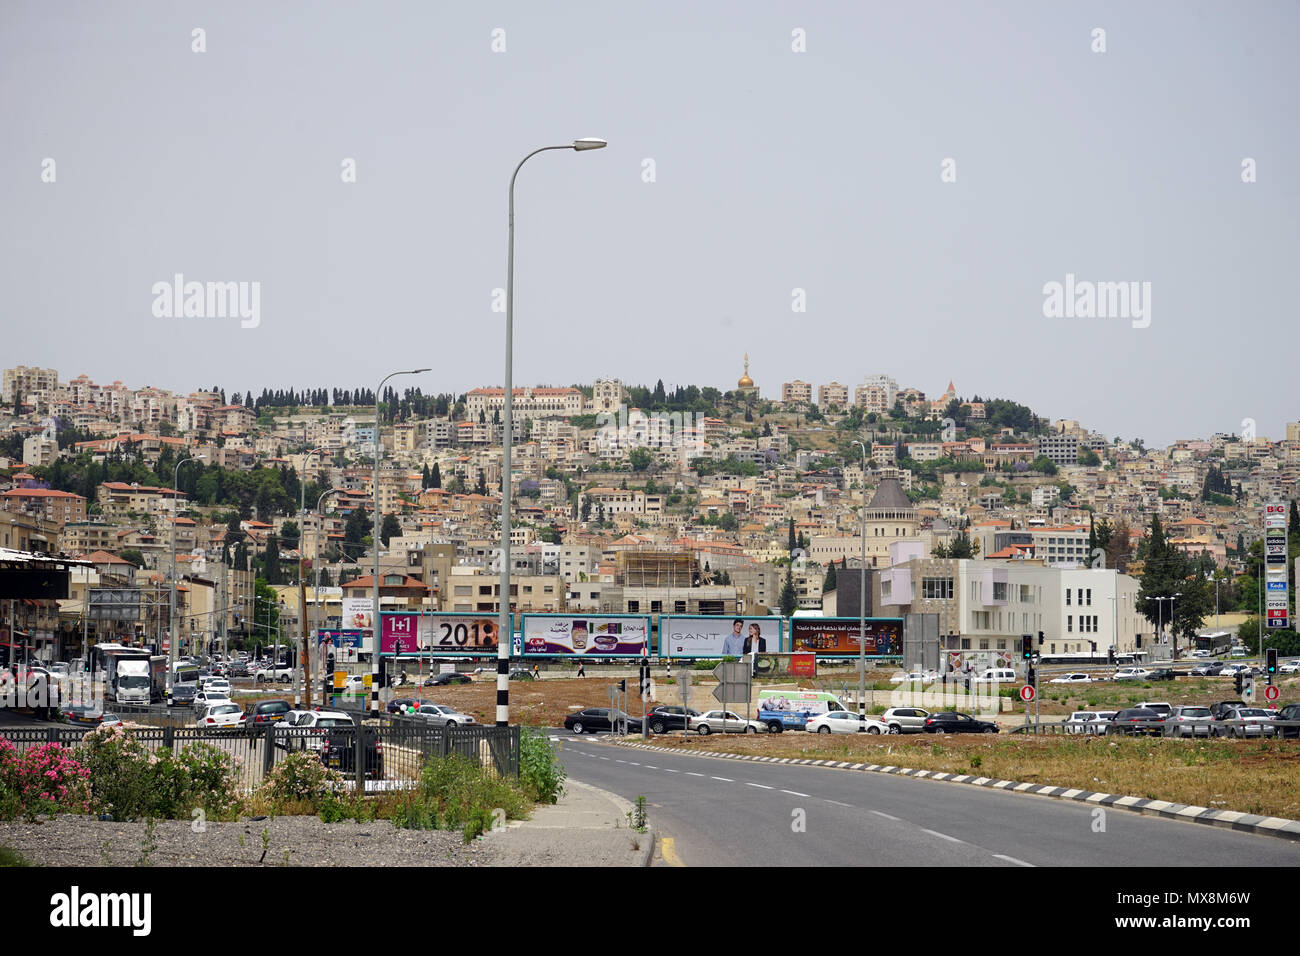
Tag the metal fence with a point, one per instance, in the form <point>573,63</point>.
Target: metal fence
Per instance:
<point>393,752</point>
<point>1281,729</point>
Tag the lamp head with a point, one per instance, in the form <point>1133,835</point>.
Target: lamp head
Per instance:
<point>589,142</point>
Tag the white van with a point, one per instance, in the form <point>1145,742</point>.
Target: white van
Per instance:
<point>792,709</point>
<point>997,675</point>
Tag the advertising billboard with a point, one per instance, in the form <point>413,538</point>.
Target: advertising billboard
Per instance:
<point>838,636</point>
<point>714,636</point>
<point>357,614</point>
<point>611,635</point>
<point>339,638</point>
<point>437,633</point>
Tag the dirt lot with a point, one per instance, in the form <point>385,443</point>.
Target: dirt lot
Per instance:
<point>1247,775</point>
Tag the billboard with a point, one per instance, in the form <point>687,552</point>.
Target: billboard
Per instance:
<point>437,633</point>
<point>610,635</point>
<point>714,636</point>
<point>339,638</point>
<point>838,636</point>
<point>357,614</point>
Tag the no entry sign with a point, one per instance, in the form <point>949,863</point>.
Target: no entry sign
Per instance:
<point>1027,693</point>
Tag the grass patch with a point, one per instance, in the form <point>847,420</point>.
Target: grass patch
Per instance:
<point>1251,776</point>
<point>10,857</point>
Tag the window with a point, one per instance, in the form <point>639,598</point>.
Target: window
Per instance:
<point>656,607</point>
<point>936,588</point>
<point>1069,623</point>
<point>679,607</point>
<point>999,590</point>
<point>1089,597</point>
<point>1067,597</point>
<point>633,606</point>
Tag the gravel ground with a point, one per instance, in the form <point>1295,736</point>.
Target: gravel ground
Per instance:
<point>83,841</point>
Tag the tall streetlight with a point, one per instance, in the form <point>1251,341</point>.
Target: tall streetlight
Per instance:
<point>862,594</point>
<point>171,615</point>
<point>374,617</point>
<point>505,633</point>
<point>1160,606</point>
<point>315,611</point>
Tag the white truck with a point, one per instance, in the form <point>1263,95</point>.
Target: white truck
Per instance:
<point>140,681</point>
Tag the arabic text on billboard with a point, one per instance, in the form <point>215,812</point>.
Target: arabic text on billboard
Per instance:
<point>838,637</point>
<point>598,636</point>
<point>721,636</point>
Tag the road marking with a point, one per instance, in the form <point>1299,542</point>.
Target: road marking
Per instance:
<point>692,773</point>
<point>942,836</point>
<point>839,804</point>
<point>669,770</point>
<point>669,851</point>
<point>602,758</point>
<point>648,767</point>
<point>796,793</point>
<point>760,786</point>
<point>724,779</point>
<point>616,760</point>
<point>879,814</point>
<point>1010,859</point>
<point>633,763</point>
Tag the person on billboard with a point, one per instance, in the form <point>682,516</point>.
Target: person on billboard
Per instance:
<point>734,645</point>
<point>756,640</point>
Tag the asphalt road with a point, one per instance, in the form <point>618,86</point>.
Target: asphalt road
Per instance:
<point>737,813</point>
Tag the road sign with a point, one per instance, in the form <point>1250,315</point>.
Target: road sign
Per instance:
<point>1271,692</point>
<point>1027,693</point>
<point>732,672</point>
<point>729,693</point>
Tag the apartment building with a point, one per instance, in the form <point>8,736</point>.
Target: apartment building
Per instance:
<point>23,381</point>
<point>57,507</point>
<point>1060,449</point>
<point>796,393</point>
<point>833,394</point>
<point>541,402</point>
<point>118,499</point>
<point>877,393</point>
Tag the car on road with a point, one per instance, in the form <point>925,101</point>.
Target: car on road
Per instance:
<point>1289,667</point>
<point>845,722</point>
<point>1188,720</point>
<point>398,705</point>
<point>1071,679</point>
<point>912,677</point>
<point>208,696</point>
<point>1163,673</point>
<point>307,729</point>
<point>277,672</point>
<point>904,720</point>
<point>1089,721</point>
<point>951,722</point>
<point>600,719</point>
<point>266,712</point>
<point>440,715</point>
<point>1289,713</point>
<point>442,680</point>
<point>79,714</point>
<point>1159,706</point>
<point>669,717</point>
<point>1244,722</point>
<point>725,722</point>
<point>222,715</point>
<point>1131,673</point>
<point>1137,721</point>
<point>1208,669</point>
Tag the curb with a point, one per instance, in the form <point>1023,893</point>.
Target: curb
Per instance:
<point>624,808</point>
<point>1279,827</point>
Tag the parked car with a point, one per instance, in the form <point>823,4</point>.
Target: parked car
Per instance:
<point>1089,721</point>
<point>1208,669</point>
<point>1136,721</point>
<point>398,705</point>
<point>597,719</point>
<point>440,715</point>
<point>951,722</point>
<point>1188,720</point>
<point>904,720</point>
<point>442,680</point>
<point>338,750</point>
<point>1163,673</point>
<point>1131,673</point>
<point>1244,722</point>
<point>1291,712</point>
<point>1159,706</point>
<point>845,722</point>
<point>222,716</point>
<point>669,717</point>
<point>725,722</point>
<point>912,677</point>
<point>276,672</point>
<point>1217,709</point>
<point>1071,679</point>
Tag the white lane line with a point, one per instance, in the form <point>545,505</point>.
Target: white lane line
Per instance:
<point>724,779</point>
<point>604,758</point>
<point>648,767</point>
<point>760,786</point>
<point>1010,859</point>
<point>837,803</point>
<point>669,770</point>
<point>942,836</point>
<point>616,760</point>
<point>796,793</point>
<point>633,763</point>
<point>692,773</point>
<point>885,815</point>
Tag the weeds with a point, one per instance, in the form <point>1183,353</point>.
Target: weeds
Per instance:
<point>149,846</point>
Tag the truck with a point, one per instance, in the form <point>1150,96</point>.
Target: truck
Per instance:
<point>140,681</point>
<point>792,709</point>
<point>184,683</point>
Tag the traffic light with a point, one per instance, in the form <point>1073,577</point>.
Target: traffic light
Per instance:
<point>1237,682</point>
<point>1137,640</point>
<point>1247,687</point>
<point>1029,674</point>
<point>1110,653</point>
<point>1040,638</point>
<point>1027,647</point>
<point>622,686</point>
<point>1271,657</point>
<point>329,663</point>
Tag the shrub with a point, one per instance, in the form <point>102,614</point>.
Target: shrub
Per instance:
<point>335,807</point>
<point>44,779</point>
<point>540,770</point>
<point>457,787</point>
<point>301,777</point>
<point>121,773</point>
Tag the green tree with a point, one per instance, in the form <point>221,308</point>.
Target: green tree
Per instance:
<point>793,541</point>
<point>828,582</point>
<point>1088,457</point>
<point>290,533</point>
<point>435,476</point>
<point>640,459</point>
<point>389,528</point>
<point>481,487</point>
<point>728,522</point>
<point>271,560</point>
<point>355,531</point>
<point>788,596</point>
<point>132,555</point>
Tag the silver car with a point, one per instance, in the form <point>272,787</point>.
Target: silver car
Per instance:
<point>904,720</point>
<point>725,722</point>
<point>1186,720</point>
<point>441,715</point>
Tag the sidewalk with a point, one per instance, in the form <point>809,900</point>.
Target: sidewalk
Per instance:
<point>588,827</point>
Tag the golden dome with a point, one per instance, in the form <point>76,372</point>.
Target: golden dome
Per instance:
<point>745,380</point>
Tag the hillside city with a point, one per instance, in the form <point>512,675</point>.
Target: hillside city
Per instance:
<point>631,499</point>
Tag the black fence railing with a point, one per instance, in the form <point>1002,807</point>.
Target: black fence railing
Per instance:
<point>393,753</point>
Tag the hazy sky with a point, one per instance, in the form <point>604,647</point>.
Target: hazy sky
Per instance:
<point>773,170</point>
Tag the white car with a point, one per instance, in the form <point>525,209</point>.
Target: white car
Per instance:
<point>205,698</point>
<point>217,683</point>
<point>222,716</point>
<point>1131,673</point>
<point>912,677</point>
<point>844,722</point>
<point>1290,667</point>
<point>1089,721</point>
<point>1071,679</point>
<point>724,721</point>
<point>280,672</point>
<point>306,729</point>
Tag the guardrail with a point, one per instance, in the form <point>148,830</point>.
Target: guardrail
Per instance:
<point>1280,729</point>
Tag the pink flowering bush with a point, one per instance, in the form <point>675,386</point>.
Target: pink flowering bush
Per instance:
<point>45,779</point>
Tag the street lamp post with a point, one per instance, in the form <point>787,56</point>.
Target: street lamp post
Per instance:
<point>171,614</point>
<point>505,633</point>
<point>315,611</point>
<point>862,594</point>
<point>374,616</point>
